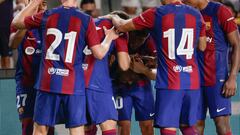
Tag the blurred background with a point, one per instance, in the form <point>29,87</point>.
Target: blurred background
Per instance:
<point>9,123</point>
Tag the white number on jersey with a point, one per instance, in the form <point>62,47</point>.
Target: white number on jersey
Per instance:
<point>71,37</point>
<point>24,98</point>
<point>187,37</point>
<point>118,102</point>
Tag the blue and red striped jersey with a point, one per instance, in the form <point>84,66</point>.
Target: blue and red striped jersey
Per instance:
<point>176,29</point>
<point>29,54</point>
<point>214,61</point>
<point>96,71</point>
<point>65,31</point>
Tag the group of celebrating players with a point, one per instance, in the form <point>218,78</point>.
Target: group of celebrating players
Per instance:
<point>84,72</point>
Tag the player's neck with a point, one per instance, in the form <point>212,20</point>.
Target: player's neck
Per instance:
<point>171,1</point>
<point>70,3</point>
<point>174,1</point>
<point>202,4</point>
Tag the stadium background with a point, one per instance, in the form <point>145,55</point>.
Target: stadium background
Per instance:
<point>10,125</point>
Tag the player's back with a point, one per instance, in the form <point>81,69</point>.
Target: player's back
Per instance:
<point>64,30</point>
<point>96,71</point>
<point>176,32</point>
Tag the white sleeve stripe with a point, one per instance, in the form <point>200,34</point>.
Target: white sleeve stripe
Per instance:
<point>33,18</point>
<point>229,19</point>
<point>142,18</point>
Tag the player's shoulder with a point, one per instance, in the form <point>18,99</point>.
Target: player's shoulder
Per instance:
<point>173,8</point>
<point>221,8</point>
<point>212,8</point>
<point>215,4</point>
<point>103,22</point>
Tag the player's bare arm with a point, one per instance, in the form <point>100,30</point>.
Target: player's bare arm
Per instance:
<point>123,60</point>
<point>202,44</point>
<point>16,38</point>
<point>125,25</point>
<point>100,50</point>
<point>30,9</point>
<point>121,24</point>
<point>229,88</point>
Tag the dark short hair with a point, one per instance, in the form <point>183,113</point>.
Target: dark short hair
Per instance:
<point>140,33</point>
<point>87,2</point>
<point>121,14</point>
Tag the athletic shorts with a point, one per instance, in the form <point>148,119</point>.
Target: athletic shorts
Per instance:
<point>4,40</point>
<point>25,100</point>
<point>175,107</point>
<point>139,97</point>
<point>212,98</point>
<point>47,108</point>
<point>100,107</point>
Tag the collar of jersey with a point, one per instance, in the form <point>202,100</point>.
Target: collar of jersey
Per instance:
<point>67,7</point>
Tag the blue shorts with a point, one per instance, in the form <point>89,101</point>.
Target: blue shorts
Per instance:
<point>100,107</point>
<point>25,99</point>
<point>176,107</point>
<point>139,97</point>
<point>47,108</point>
<point>212,98</point>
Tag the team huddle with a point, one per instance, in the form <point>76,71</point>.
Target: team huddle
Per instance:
<point>82,72</point>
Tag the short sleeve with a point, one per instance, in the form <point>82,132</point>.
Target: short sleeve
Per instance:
<point>92,38</point>
<point>226,19</point>
<point>203,27</point>
<point>33,21</point>
<point>145,20</point>
<point>122,43</point>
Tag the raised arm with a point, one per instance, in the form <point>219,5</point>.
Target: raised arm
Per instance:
<point>100,50</point>
<point>143,21</point>
<point>30,9</point>
<point>122,52</point>
<point>123,25</point>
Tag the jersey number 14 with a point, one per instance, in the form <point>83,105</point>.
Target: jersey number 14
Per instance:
<point>187,37</point>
